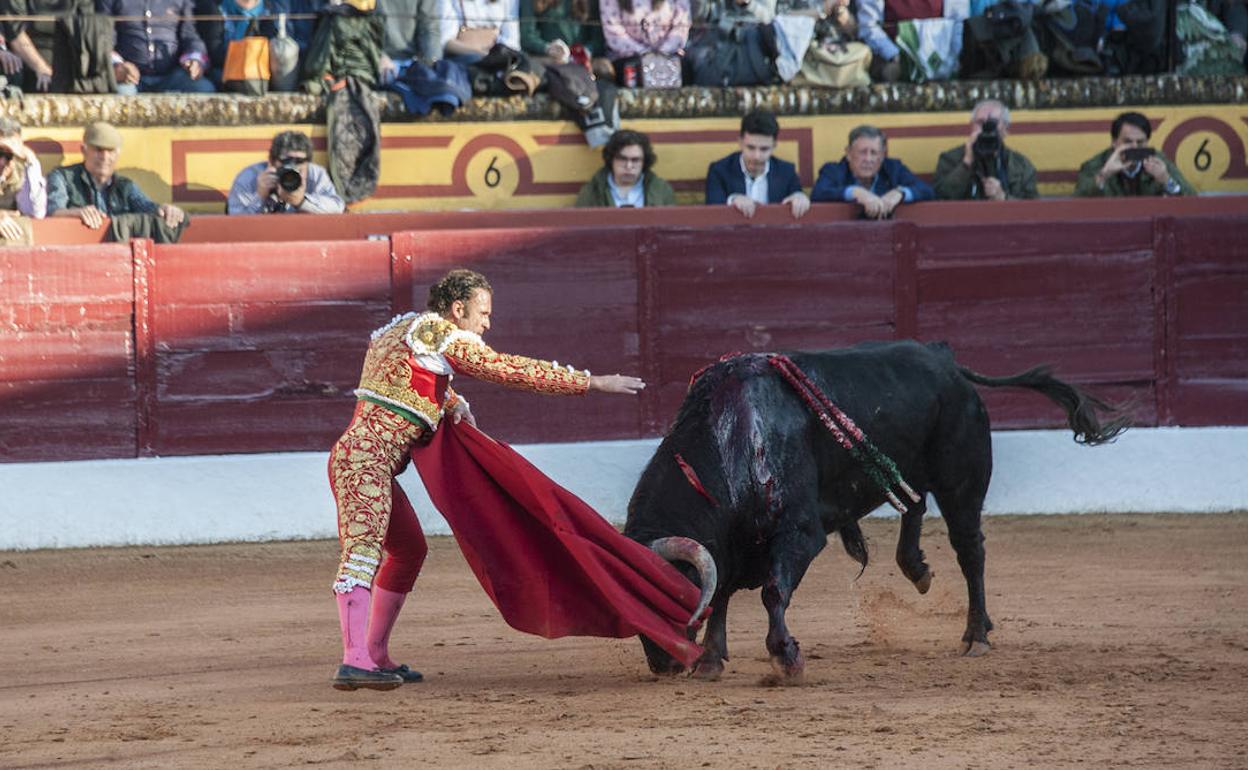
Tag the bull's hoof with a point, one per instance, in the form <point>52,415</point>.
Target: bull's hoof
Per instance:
<point>707,670</point>
<point>925,583</point>
<point>975,649</point>
<point>785,674</point>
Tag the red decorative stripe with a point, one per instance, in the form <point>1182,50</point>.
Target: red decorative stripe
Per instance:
<point>692,477</point>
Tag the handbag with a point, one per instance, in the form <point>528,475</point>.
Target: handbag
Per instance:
<point>845,66</point>
<point>478,38</point>
<point>660,70</point>
<point>247,69</point>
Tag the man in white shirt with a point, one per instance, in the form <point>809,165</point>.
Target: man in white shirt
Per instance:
<point>752,176</point>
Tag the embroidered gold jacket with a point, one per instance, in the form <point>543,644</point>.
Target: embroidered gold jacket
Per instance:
<point>412,359</point>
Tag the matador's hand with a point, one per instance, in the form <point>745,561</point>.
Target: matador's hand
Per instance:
<point>617,383</point>
<point>462,412</point>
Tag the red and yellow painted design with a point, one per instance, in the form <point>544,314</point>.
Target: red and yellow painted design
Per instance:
<point>536,164</point>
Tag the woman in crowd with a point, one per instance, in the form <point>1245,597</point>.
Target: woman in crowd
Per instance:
<point>634,28</point>
<point>23,189</point>
<point>550,29</point>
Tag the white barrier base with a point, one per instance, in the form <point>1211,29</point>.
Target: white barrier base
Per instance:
<point>207,499</point>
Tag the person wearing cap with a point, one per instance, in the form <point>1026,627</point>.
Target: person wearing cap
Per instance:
<point>268,187</point>
<point>22,186</point>
<point>158,48</point>
<point>94,192</point>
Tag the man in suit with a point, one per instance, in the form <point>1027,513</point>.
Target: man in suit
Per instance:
<point>868,177</point>
<point>752,176</point>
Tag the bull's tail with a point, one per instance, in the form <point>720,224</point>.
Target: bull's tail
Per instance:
<point>1081,407</point>
<point>855,544</point>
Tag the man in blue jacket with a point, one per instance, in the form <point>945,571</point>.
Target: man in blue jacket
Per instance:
<point>752,176</point>
<point>868,177</point>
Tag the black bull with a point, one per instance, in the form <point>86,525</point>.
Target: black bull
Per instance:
<point>775,482</point>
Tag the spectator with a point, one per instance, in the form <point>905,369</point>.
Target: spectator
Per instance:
<point>470,28</point>
<point>885,55</point>
<point>550,28</point>
<point>1234,16</point>
<point>752,176</point>
<point>68,52</point>
<point>218,33</point>
<point>22,187</point>
<point>93,191</point>
<point>162,53</point>
<point>1130,167</point>
<point>627,178</point>
<point>411,31</point>
<point>270,187</point>
<point>983,167</point>
<point>868,177</point>
<point>637,27</point>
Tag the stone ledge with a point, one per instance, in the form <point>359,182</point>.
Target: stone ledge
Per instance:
<point>286,109</point>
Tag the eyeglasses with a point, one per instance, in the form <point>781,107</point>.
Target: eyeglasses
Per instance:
<point>291,160</point>
<point>630,160</point>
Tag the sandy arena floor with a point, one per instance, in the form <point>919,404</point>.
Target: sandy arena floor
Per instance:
<point>1121,642</point>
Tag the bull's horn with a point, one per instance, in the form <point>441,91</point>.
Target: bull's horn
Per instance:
<point>690,550</point>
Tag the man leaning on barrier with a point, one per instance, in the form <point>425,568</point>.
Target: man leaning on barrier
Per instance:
<point>288,182</point>
<point>868,177</point>
<point>94,192</point>
<point>983,168</point>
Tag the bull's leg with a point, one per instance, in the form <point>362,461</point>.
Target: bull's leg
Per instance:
<point>791,554</point>
<point>909,555</point>
<point>714,644</point>
<point>967,539</point>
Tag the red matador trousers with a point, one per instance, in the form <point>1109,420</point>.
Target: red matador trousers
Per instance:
<point>374,515</point>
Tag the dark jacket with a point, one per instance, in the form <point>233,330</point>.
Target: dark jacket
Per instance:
<point>1121,185</point>
<point>77,45</point>
<point>558,23</point>
<point>122,197</point>
<point>954,181</point>
<point>724,178</point>
<point>157,52</point>
<point>835,178</point>
<point>347,43</point>
<point>655,191</point>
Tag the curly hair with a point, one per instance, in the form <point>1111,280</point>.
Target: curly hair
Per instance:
<point>458,285</point>
<point>626,138</point>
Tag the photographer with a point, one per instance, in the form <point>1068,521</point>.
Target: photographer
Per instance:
<point>1130,167</point>
<point>984,168</point>
<point>287,182</point>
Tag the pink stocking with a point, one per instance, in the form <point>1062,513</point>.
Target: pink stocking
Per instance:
<point>353,609</point>
<point>385,610</point>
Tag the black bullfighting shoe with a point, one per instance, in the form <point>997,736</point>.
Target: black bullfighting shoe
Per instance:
<point>354,678</point>
<point>402,670</point>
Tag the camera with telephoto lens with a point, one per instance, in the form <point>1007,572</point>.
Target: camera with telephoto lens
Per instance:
<point>289,178</point>
<point>986,148</point>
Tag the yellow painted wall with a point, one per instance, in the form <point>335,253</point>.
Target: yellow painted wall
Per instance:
<point>1209,151</point>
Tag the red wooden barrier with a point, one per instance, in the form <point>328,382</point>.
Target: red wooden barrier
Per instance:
<point>257,346</point>
<point>66,362</point>
<point>218,228</point>
<point>1208,320</point>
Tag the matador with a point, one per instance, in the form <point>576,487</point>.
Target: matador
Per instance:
<point>404,394</point>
